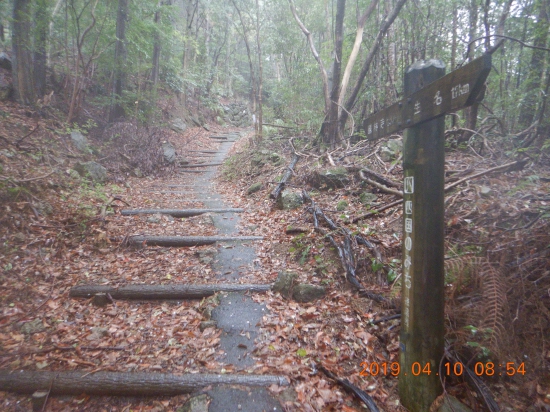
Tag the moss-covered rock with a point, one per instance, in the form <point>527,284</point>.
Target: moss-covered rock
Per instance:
<point>256,187</point>
<point>341,206</point>
<point>332,178</point>
<point>290,199</point>
<point>307,293</point>
<point>284,283</point>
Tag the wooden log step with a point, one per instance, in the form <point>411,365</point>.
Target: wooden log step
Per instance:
<point>178,212</point>
<point>202,165</point>
<point>186,241</point>
<point>154,292</point>
<point>194,171</point>
<point>203,151</point>
<point>124,383</point>
<point>218,137</point>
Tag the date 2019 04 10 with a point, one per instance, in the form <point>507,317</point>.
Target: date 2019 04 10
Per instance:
<point>448,369</point>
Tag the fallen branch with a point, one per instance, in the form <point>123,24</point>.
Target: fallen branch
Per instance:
<point>151,292</point>
<point>185,241</point>
<point>475,382</point>
<point>515,165</point>
<point>125,383</point>
<point>347,385</point>
<point>377,211</point>
<point>286,177</point>
<point>345,250</point>
<point>379,185</point>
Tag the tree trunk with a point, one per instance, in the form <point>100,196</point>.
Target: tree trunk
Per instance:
<point>124,383</point>
<point>251,65</point>
<point>22,56</point>
<point>324,76</point>
<point>119,78</point>
<point>350,103</point>
<point>152,292</point>
<point>354,53</point>
<point>330,129</point>
<point>41,20</point>
<point>260,75</point>
<point>533,91</point>
<point>157,46</point>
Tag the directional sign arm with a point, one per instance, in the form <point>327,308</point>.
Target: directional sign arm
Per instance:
<point>454,91</point>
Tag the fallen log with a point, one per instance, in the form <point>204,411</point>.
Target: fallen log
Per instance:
<point>202,165</point>
<point>286,177</point>
<point>152,292</point>
<point>124,383</point>
<point>186,241</point>
<point>363,175</point>
<point>178,212</point>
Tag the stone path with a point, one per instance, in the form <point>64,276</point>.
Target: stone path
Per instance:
<point>237,314</point>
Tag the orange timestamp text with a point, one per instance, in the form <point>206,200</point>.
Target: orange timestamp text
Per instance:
<point>448,369</point>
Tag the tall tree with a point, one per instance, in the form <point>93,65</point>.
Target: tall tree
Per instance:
<point>119,75</point>
<point>22,51</point>
<point>533,90</point>
<point>41,21</point>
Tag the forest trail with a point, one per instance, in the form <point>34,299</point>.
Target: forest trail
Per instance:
<point>236,315</point>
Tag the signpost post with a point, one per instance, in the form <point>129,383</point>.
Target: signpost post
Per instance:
<point>428,96</point>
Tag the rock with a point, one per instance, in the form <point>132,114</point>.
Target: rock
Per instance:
<point>451,404</point>
<point>182,161</point>
<point>256,187</point>
<point>169,152</point>
<point>307,293</point>
<point>156,218</point>
<point>137,172</point>
<point>73,173</point>
<point>178,125</point>
<point>341,206</point>
<point>19,237</point>
<point>284,283</point>
<point>290,199</point>
<point>98,333</point>
<point>485,191</point>
<point>5,61</point>
<point>34,326</point>
<point>219,121</point>
<point>207,324</point>
<point>80,141</point>
<point>276,158</point>
<point>367,198</point>
<point>334,177</point>
<point>196,404</point>
<point>93,170</point>
<point>207,256</point>
<point>391,149</point>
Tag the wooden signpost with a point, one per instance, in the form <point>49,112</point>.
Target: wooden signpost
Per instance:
<point>428,96</point>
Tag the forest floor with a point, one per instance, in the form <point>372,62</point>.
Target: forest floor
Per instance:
<point>58,230</point>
